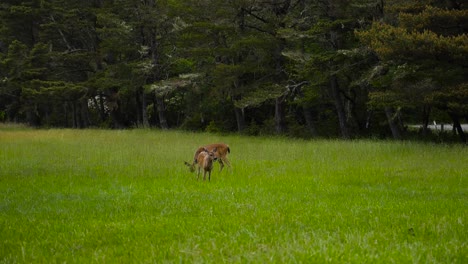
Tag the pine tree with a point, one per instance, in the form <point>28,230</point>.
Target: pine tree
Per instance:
<point>423,54</point>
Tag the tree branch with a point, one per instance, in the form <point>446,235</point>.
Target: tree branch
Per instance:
<point>69,47</point>
<point>256,16</point>
<point>260,29</point>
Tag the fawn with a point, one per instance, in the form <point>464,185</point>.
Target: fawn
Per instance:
<point>204,160</point>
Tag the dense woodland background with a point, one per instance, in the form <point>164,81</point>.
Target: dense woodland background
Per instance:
<point>306,68</point>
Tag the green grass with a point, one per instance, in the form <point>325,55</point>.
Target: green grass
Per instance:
<point>97,196</point>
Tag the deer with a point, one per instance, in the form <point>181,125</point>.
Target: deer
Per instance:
<point>204,160</point>
<point>219,149</point>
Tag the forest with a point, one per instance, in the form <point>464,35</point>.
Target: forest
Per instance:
<point>302,68</point>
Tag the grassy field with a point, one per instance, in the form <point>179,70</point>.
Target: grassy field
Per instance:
<point>99,196</point>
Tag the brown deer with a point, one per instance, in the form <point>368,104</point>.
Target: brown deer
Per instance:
<point>204,160</point>
<point>219,149</point>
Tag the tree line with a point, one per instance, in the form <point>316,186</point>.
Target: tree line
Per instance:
<point>307,68</point>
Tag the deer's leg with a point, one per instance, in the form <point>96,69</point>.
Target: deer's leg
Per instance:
<point>225,159</point>
<point>221,165</point>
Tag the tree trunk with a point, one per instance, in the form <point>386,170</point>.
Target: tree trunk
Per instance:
<point>142,114</point>
<point>84,113</point>
<point>426,114</point>
<point>65,109</point>
<point>396,133</point>
<point>114,108</point>
<point>139,122</point>
<point>33,118</point>
<point>161,113</point>
<point>102,109</point>
<point>74,115</point>
<point>280,120</point>
<point>280,77</point>
<point>309,120</point>
<point>240,118</point>
<point>155,118</point>
<point>79,118</point>
<point>368,119</point>
<point>144,111</point>
<point>116,119</point>
<point>458,127</point>
<point>340,109</point>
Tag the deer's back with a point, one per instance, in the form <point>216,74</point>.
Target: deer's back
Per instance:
<point>221,148</point>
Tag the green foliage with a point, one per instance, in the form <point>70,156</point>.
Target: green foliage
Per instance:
<point>105,63</point>
<point>440,21</point>
<point>396,43</point>
<point>15,60</point>
<point>455,101</point>
<point>212,127</point>
<point>116,34</point>
<point>261,95</point>
<point>423,55</point>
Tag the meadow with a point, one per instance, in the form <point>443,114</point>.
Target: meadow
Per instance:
<point>102,196</point>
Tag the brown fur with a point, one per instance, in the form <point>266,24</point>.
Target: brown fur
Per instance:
<point>219,149</point>
<point>205,160</point>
